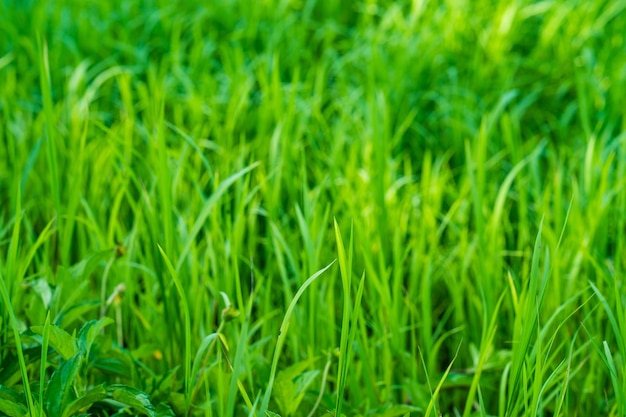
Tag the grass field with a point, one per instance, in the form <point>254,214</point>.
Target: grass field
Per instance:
<point>313,208</point>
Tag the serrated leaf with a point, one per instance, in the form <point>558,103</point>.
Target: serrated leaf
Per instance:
<point>83,403</point>
<point>132,397</point>
<point>60,385</point>
<point>60,340</point>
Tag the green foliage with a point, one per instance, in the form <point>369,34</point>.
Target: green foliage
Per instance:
<point>171,174</point>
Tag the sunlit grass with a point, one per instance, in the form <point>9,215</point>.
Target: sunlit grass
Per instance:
<point>176,179</point>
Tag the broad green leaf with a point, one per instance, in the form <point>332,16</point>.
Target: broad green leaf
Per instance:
<point>113,365</point>
<point>284,392</point>
<point>291,384</point>
<point>132,397</point>
<point>61,341</point>
<point>163,410</point>
<point>83,403</point>
<point>59,390</point>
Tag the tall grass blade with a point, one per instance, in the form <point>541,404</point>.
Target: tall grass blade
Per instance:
<point>187,323</point>
<point>282,335</point>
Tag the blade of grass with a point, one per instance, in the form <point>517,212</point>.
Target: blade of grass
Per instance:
<point>345,266</point>
<point>187,323</point>
<point>44,362</point>
<point>432,403</point>
<point>51,138</point>
<point>206,210</point>
<point>18,345</point>
<point>282,335</point>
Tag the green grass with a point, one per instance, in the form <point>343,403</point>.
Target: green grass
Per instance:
<point>312,208</point>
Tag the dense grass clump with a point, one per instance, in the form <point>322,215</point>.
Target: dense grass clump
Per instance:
<point>303,208</point>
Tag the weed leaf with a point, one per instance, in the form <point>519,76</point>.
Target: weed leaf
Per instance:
<point>133,397</point>
<point>83,403</point>
<point>61,383</point>
<point>61,341</point>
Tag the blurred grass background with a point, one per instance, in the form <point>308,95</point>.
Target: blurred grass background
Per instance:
<point>439,135</point>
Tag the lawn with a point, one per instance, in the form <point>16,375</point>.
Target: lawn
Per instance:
<point>312,208</point>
